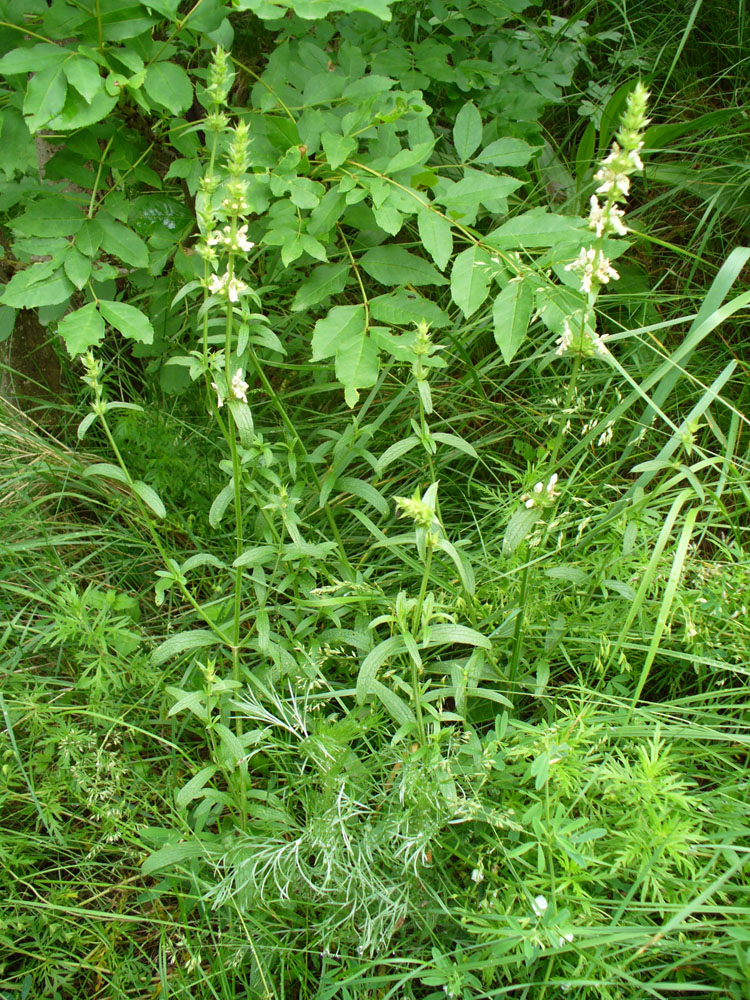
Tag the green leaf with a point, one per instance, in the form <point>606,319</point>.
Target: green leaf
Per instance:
<point>462,199</point>
<point>396,707</point>
<point>78,113</point>
<point>168,857</point>
<point>467,131</point>
<point>341,325</point>
<point>337,148</point>
<point>520,525</point>
<point>89,237</point>
<point>357,365</point>
<point>534,229</point>
<point>507,152</point>
<point>77,267</point>
<point>53,216</point>
<point>441,635</point>
<point>365,491</point>
<point>81,330</point>
<point>470,280</point>
<point>105,470</point>
<point>197,638</point>
<point>372,663</point>
<point>329,279</point>
<point>393,266</point>
<point>83,74</point>
<point>33,59</point>
<point>192,790</point>
<point>45,96</point>
<point>128,320</point>
<point>150,497</point>
<point>168,85</point>
<point>404,307</point>
<point>437,236</point>
<point>122,242</point>
<point>7,322</point>
<point>36,286</point>
<point>511,313</point>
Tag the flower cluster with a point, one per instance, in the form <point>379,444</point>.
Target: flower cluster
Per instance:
<point>227,285</point>
<point>541,495</point>
<point>234,241</point>
<point>593,267</point>
<point>238,388</point>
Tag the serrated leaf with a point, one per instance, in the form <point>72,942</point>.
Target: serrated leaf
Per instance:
<point>436,234</point>
<point>122,242</point>
<point>507,152</point>
<point>33,59</point>
<point>78,113</point>
<point>329,279</point>
<point>81,330</point>
<point>470,280</point>
<point>36,286</point>
<point>54,216</point>
<point>83,74</point>
<point>45,96</point>
<point>128,320</point>
<point>405,307</point>
<point>150,497</point>
<point>534,229</point>
<point>77,267</point>
<point>393,266</point>
<point>182,642</point>
<point>511,313</point>
<point>338,328</point>
<point>337,148</point>
<point>168,85</point>
<point>467,131</point>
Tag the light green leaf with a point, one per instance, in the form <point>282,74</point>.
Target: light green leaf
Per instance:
<point>337,148</point>
<point>520,525</point>
<point>128,320</point>
<point>83,74</point>
<point>467,131</point>
<point>396,707</point>
<point>511,313</point>
<point>220,504</point>
<point>257,555</point>
<point>77,267</point>
<point>357,365</point>
<point>45,96</point>
<point>36,286</point>
<point>436,235</point>
<point>470,280</point>
<point>373,661</point>
<point>182,642</point>
<point>534,229</point>
<point>33,59</point>
<point>77,112</point>
<point>393,266</point>
<point>168,85</point>
<point>168,857</point>
<point>365,491</point>
<point>194,787</point>
<point>55,216</point>
<point>329,279</point>
<point>106,470</point>
<point>122,242</point>
<point>404,307</point>
<point>441,635</point>
<point>463,198</point>
<point>150,497</point>
<point>507,152</point>
<point>332,333</point>
<point>81,330</point>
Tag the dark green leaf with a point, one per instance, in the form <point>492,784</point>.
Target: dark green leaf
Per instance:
<point>393,266</point>
<point>130,321</point>
<point>168,85</point>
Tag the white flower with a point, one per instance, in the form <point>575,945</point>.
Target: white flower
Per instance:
<point>219,397</point>
<point>224,285</point>
<point>477,876</point>
<point>539,906</point>
<point>239,386</point>
<point>564,342</point>
<point>565,939</point>
<point>594,267</point>
<point>243,243</point>
<point>606,218</point>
